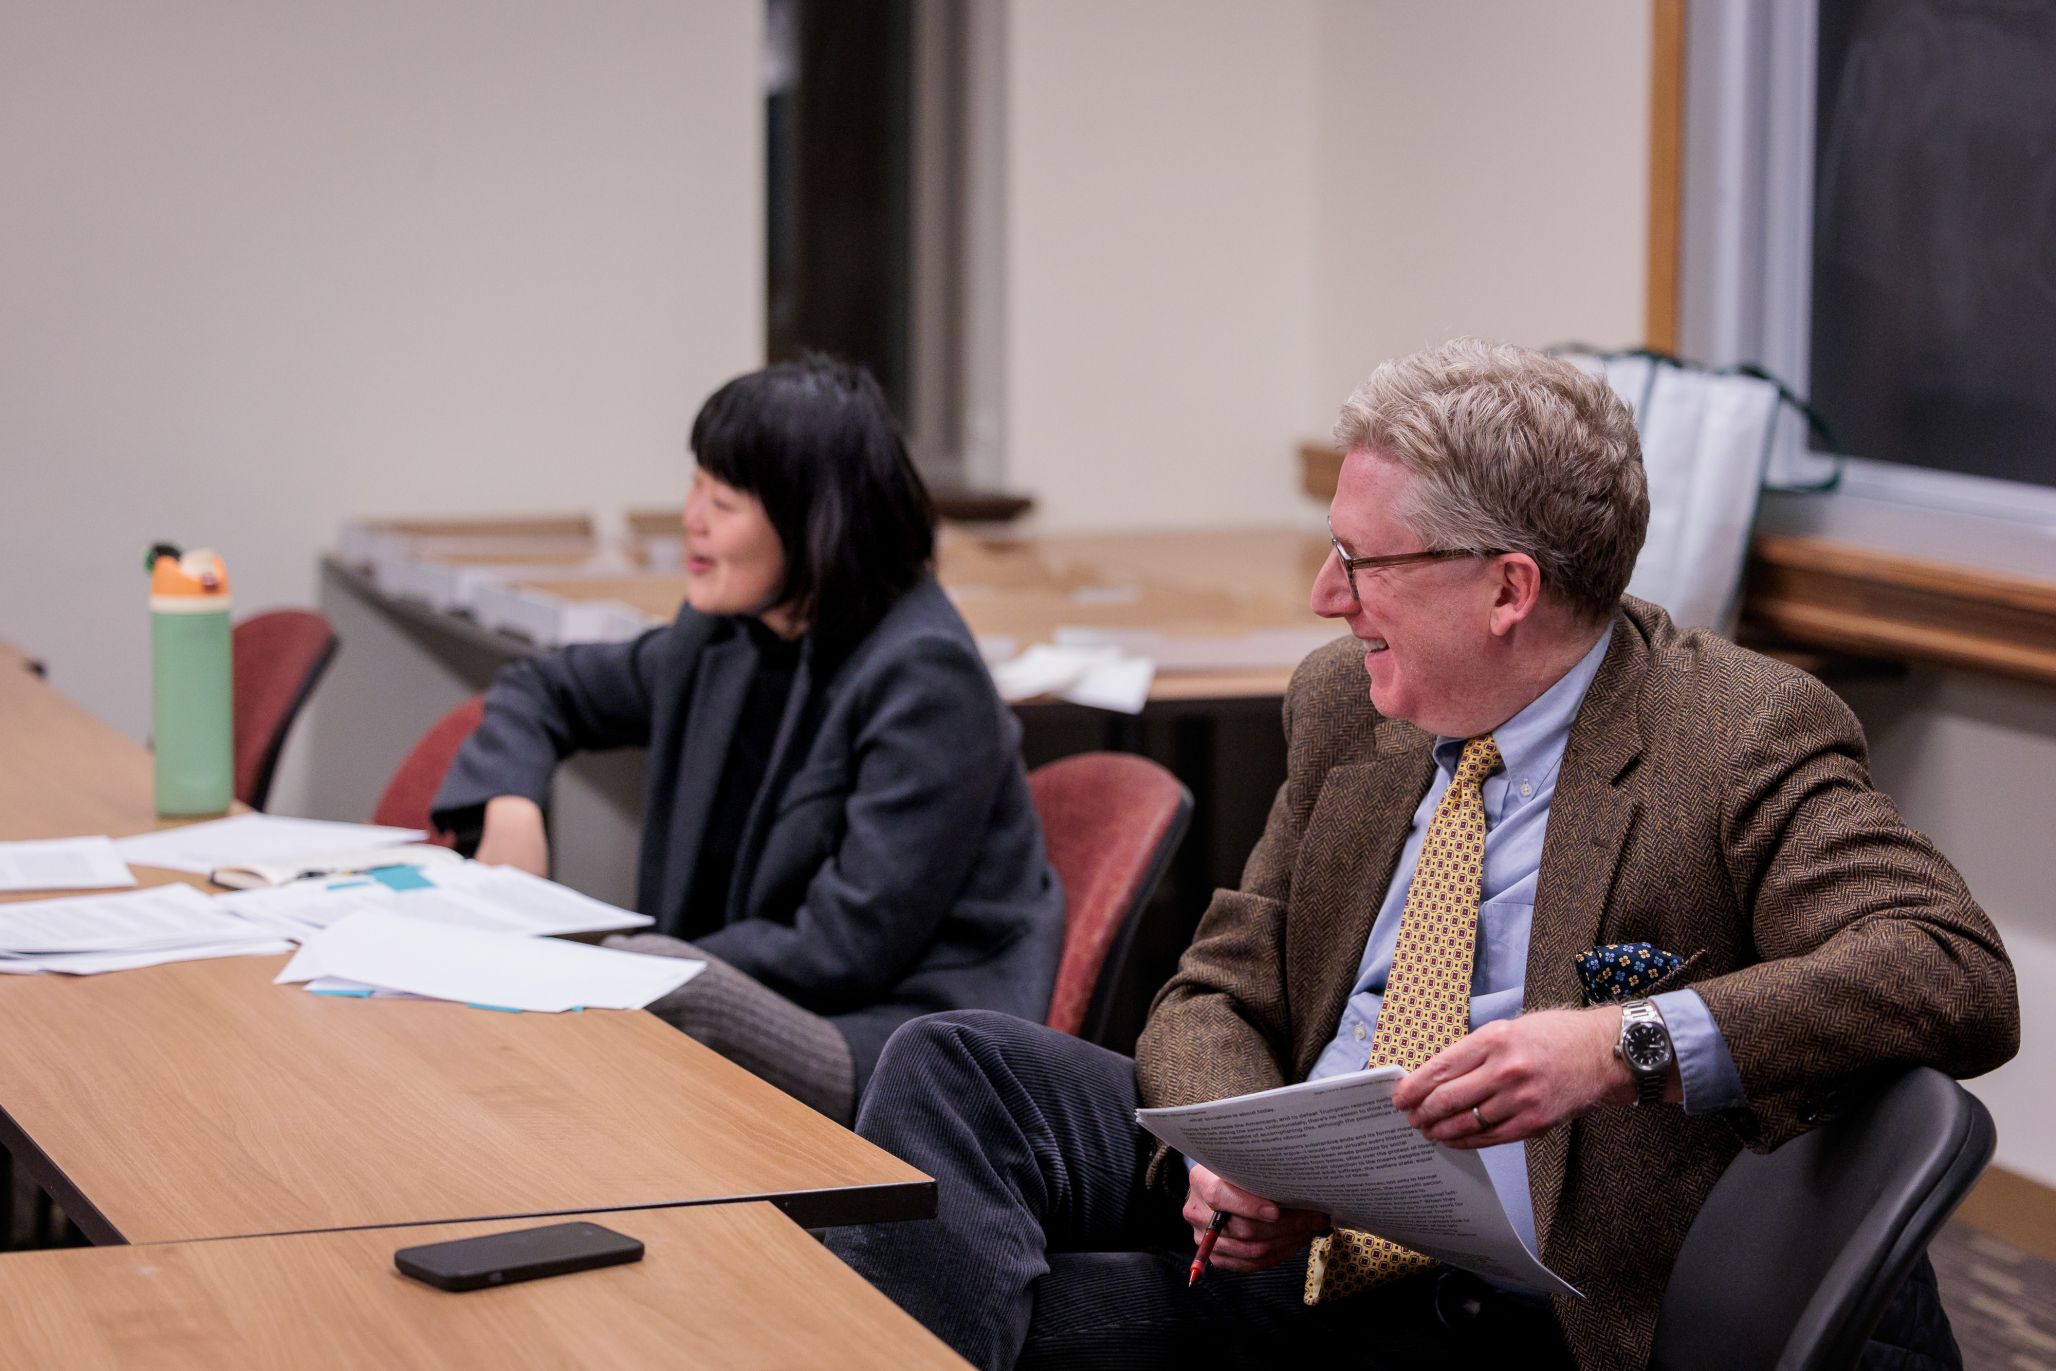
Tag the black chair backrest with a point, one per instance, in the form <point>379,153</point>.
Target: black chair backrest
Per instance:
<point>1798,1251</point>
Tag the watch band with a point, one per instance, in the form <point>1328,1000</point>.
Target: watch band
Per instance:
<point>1648,1084</point>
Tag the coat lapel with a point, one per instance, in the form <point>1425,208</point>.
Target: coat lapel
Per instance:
<point>1589,820</point>
<point>1373,804</point>
<point>719,687</point>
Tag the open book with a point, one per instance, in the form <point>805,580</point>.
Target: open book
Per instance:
<point>1338,1146</point>
<point>308,865</point>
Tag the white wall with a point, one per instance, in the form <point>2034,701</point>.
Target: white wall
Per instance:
<point>265,267</point>
<point>1219,216</point>
<point>1484,171</point>
<point>1157,319</point>
<point>1967,759</point>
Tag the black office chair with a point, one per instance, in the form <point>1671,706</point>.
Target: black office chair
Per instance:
<point>1798,1252</point>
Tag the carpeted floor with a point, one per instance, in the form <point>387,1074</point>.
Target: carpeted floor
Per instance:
<point>2001,1300</point>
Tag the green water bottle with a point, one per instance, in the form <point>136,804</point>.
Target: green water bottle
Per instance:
<point>191,700</point>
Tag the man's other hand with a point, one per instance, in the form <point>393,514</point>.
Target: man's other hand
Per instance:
<point>1259,1234</point>
<point>1524,1075</point>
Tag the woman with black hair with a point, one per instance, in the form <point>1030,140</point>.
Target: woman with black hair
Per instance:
<point>836,815</point>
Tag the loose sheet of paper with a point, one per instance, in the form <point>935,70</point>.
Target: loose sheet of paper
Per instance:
<point>498,898</point>
<point>391,951</point>
<point>1339,1147</point>
<point>88,934</point>
<point>162,916</point>
<point>63,864</point>
<point>246,838</point>
<point>1102,677</point>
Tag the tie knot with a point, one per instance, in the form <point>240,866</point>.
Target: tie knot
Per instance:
<point>1480,759</point>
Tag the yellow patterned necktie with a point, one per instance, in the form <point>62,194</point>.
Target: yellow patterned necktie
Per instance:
<point>1427,1003</point>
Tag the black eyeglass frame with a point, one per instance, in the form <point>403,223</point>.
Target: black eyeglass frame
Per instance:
<point>1351,565</point>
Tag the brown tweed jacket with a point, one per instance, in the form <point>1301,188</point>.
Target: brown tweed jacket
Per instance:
<point>1711,801</point>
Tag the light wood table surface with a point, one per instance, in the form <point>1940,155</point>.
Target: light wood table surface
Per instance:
<point>66,773</point>
<point>198,1100</point>
<point>735,1286</point>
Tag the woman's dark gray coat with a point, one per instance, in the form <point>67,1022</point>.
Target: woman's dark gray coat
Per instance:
<point>891,864</point>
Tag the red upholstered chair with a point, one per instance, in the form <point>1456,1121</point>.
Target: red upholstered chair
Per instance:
<point>412,789</point>
<point>278,656</point>
<point>1110,822</point>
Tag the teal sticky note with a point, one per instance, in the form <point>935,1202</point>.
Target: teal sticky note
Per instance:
<point>400,878</point>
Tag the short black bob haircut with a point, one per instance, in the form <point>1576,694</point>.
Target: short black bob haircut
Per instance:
<point>814,440</point>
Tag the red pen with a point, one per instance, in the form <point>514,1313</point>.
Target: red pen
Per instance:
<point>1206,1247</point>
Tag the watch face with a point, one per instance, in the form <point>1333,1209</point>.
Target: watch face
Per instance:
<point>1646,1047</point>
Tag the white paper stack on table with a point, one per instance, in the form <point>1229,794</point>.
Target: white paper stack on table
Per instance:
<point>63,864</point>
<point>251,841</point>
<point>499,899</point>
<point>379,951</point>
<point>88,934</point>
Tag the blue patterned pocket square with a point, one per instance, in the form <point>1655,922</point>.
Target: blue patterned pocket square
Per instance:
<point>1624,971</point>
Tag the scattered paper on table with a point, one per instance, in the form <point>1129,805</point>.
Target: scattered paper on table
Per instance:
<point>93,963</point>
<point>307,866</point>
<point>1121,685</point>
<point>63,864</point>
<point>388,950</point>
<point>1337,1146</point>
<point>305,907</point>
<point>497,898</point>
<point>93,933</point>
<point>246,838</point>
<point>1102,677</point>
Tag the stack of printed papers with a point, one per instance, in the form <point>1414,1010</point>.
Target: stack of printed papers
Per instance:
<point>94,933</point>
<point>381,951</point>
<point>248,840</point>
<point>499,899</point>
<point>63,864</point>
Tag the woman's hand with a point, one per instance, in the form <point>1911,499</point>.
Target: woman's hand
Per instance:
<point>514,836</point>
<point>1259,1235</point>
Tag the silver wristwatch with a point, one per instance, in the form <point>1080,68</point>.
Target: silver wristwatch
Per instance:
<point>1645,1047</point>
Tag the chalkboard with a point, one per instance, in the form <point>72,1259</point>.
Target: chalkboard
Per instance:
<point>1934,246</point>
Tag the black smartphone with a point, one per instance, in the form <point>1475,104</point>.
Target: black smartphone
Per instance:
<point>522,1255</point>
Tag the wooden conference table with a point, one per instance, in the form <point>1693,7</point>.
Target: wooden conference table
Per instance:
<point>733,1285</point>
<point>197,1100</point>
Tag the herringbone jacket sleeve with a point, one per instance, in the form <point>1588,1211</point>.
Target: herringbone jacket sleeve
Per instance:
<point>1221,1026</point>
<point>1870,953</point>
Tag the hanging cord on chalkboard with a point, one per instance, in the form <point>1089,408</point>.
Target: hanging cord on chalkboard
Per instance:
<point>1816,423</point>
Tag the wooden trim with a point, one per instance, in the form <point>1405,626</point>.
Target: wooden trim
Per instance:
<point>1666,171</point>
<point>2013,1209</point>
<point>1816,593</point>
<point>1320,467</point>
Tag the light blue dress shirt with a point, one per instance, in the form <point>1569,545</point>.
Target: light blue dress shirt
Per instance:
<point>1517,801</point>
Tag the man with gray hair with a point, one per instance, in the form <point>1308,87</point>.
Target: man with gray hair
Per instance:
<point>1620,899</point>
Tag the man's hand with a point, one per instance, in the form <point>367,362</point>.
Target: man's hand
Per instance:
<point>1260,1234</point>
<point>1524,1075</point>
<point>513,835</point>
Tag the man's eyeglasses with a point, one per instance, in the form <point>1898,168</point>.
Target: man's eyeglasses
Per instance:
<point>1352,565</point>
